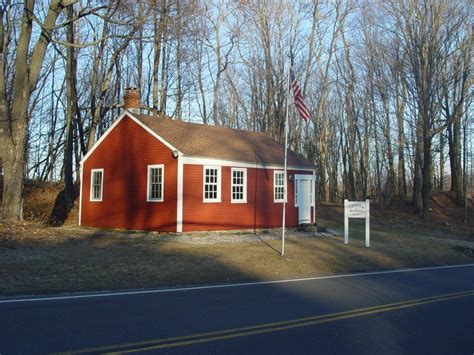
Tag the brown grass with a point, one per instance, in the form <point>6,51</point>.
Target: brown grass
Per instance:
<point>37,259</point>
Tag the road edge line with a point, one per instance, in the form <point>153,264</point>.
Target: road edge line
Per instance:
<point>207,287</point>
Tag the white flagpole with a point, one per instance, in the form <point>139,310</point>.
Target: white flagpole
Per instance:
<point>285,168</point>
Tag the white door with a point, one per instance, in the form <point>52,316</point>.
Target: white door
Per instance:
<point>304,201</point>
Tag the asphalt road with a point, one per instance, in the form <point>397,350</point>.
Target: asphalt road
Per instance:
<point>425,311</point>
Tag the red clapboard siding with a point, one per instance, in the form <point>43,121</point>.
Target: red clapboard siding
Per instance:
<point>259,212</point>
<point>124,155</point>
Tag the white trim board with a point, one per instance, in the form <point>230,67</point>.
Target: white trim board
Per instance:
<point>116,122</point>
<point>179,197</point>
<point>101,139</point>
<point>79,222</point>
<point>194,160</point>
<point>314,196</point>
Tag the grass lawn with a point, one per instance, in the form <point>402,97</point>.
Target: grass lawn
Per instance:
<point>36,259</point>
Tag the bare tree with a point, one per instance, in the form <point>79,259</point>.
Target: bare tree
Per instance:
<point>14,114</point>
<point>424,30</point>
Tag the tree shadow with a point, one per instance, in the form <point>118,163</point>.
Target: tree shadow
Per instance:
<point>62,206</point>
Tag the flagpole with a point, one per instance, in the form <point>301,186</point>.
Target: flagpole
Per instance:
<point>285,168</point>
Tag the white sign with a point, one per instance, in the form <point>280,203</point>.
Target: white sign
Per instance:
<point>354,209</point>
<point>357,209</point>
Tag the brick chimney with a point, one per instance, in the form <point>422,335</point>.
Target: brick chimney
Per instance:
<point>131,99</point>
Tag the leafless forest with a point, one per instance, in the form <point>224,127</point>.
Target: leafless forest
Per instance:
<point>389,85</point>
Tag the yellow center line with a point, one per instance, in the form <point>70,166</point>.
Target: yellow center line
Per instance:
<point>267,327</point>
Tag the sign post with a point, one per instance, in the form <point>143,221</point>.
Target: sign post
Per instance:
<point>357,209</point>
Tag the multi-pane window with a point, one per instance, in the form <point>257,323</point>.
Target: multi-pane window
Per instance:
<point>239,185</point>
<point>278,186</point>
<point>155,183</point>
<point>212,184</point>
<point>97,178</point>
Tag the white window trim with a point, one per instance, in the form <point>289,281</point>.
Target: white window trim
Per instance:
<point>91,194</point>
<point>244,170</point>
<point>211,200</point>
<point>285,195</point>
<point>162,167</point>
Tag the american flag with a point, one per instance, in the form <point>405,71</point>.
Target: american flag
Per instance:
<point>299,102</point>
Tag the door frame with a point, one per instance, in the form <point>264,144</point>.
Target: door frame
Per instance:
<point>312,178</point>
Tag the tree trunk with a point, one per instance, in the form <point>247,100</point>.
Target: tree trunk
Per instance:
<point>70,105</point>
<point>13,167</point>
<point>427,176</point>
<point>14,126</point>
<point>179,74</point>
<point>387,133</point>
<point>164,64</point>
<point>441,161</point>
<point>402,182</point>
<point>217,81</point>
<point>158,33</point>
<point>455,158</point>
<point>417,178</point>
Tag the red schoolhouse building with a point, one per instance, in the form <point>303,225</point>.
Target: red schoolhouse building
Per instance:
<point>151,173</point>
